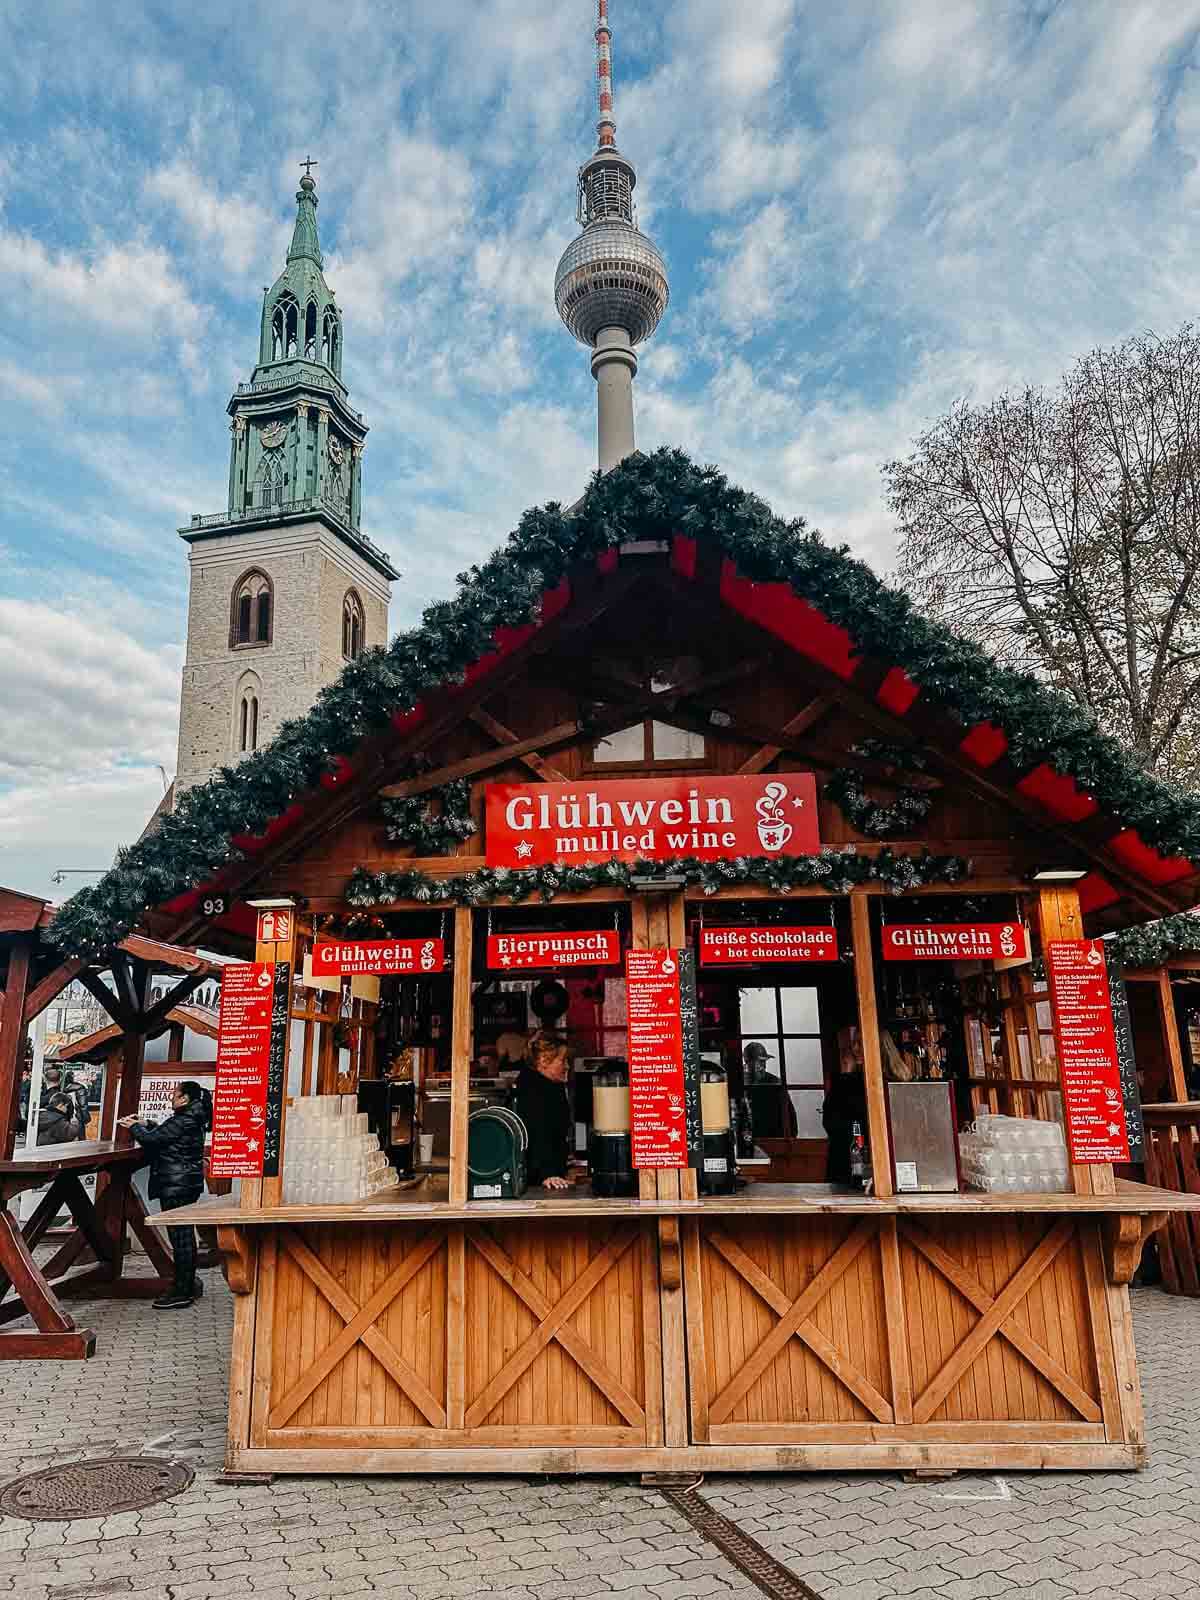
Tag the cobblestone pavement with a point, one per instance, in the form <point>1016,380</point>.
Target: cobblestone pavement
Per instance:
<point>158,1385</point>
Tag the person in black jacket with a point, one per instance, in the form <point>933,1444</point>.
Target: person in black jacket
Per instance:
<point>176,1150</point>
<point>541,1103</point>
<point>55,1123</point>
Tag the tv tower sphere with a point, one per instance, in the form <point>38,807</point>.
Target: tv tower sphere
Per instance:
<point>611,285</point>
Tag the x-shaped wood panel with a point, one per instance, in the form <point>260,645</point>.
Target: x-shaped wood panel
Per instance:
<point>996,1313</point>
<point>361,1325</point>
<point>553,1323</point>
<point>795,1323</point>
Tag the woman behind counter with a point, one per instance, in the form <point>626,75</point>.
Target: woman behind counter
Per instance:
<point>541,1103</point>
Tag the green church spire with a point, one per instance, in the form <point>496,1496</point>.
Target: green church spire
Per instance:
<point>305,244</point>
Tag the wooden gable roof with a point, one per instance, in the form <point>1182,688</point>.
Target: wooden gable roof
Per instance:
<point>661,544</point>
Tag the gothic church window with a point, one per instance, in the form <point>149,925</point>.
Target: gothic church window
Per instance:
<point>246,713</point>
<point>329,341</point>
<point>353,629</point>
<point>270,483</point>
<point>285,328</point>
<point>310,331</point>
<point>252,615</point>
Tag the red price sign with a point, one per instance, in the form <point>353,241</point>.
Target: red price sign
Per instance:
<point>598,948</point>
<point>955,941</point>
<point>339,958</point>
<point>1088,1064</point>
<point>239,1130</point>
<point>652,819</point>
<point>658,1121</point>
<point>730,947</point>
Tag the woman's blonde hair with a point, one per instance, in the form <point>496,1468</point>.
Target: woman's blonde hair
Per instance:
<point>546,1046</point>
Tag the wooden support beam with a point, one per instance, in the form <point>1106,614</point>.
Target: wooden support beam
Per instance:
<point>158,1012</point>
<point>562,733</point>
<point>1172,1045</point>
<point>505,736</point>
<point>868,1023</point>
<point>51,986</point>
<point>99,990</point>
<point>800,723</point>
<point>12,1042</point>
<point>462,1046</point>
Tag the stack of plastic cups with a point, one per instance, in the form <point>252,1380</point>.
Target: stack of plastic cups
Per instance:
<point>331,1157</point>
<point>1015,1155</point>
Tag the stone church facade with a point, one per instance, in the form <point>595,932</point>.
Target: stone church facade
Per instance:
<point>284,586</point>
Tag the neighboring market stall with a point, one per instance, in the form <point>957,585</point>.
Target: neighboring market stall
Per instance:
<point>682,804</point>
<point>33,972</point>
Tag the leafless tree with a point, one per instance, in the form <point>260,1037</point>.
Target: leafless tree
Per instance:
<point>1061,529</point>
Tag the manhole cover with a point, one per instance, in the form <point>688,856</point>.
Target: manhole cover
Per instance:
<point>80,1489</point>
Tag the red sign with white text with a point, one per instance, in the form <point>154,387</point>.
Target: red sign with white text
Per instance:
<point>955,941</point>
<point>338,958</point>
<point>651,819</point>
<point>1088,1066</point>
<point>597,948</point>
<point>729,947</point>
<point>656,1089</point>
<point>243,1066</point>
<point>274,927</point>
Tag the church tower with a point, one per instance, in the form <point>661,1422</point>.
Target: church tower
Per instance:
<point>285,588</point>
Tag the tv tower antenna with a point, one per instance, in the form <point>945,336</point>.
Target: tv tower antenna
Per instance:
<point>611,286</point>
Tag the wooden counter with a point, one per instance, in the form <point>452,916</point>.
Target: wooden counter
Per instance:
<point>791,1327</point>
<point>429,1201</point>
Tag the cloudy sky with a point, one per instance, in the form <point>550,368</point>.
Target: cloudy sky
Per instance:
<point>868,209</point>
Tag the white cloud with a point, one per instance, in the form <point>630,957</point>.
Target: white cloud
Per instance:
<point>130,289</point>
<point>756,281</point>
<point>81,695</point>
<point>78,820</point>
<point>242,230</point>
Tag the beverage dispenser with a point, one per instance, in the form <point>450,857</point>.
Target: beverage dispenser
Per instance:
<point>610,1145</point>
<point>718,1166</point>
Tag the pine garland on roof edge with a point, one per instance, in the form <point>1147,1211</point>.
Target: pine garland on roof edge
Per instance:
<point>646,497</point>
<point>1155,942</point>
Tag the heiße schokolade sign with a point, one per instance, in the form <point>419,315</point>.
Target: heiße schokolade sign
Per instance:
<point>955,941</point>
<point>651,819</point>
<point>728,947</point>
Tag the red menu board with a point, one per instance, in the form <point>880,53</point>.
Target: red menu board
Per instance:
<point>1088,1064</point>
<point>658,1122</point>
<point>651,819</point>
<point>244,1039</point>
<point>339,958</point>
<point>728,947</point>
<point>955,941</point>
<point>596,948</point>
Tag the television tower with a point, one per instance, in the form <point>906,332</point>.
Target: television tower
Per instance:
<point>611,285</point>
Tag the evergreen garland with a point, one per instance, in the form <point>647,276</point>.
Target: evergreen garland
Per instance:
<point>410,821</point>
<point>1156,942</point>
<point>646,497</point>
<point>869,817</point>
<point>839,871</point>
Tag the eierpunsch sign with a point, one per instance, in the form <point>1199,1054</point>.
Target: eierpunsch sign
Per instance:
<point>651,819</point>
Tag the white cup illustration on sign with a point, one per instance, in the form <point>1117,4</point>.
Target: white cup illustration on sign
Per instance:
<point>427,959</point>
<point>773,831</point>
<point>1008,940</point>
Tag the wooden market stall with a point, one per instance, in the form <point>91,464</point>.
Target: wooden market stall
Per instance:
<point>785,1325</point>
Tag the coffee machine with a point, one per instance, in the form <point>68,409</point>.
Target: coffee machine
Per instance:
<point>610,1144</point>
<point>718,1164</point>
<point>391,1105</point>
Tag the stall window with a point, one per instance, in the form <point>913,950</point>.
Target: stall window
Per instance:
<point>779,1042</point>
<point>649,742</point>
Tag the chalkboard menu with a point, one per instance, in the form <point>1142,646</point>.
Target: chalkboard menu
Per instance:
<point>277,1069</point>
<point>1126,1064</point>
<point>689,1016</point>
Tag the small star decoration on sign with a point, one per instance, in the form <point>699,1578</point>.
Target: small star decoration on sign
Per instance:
<point>524,849</point>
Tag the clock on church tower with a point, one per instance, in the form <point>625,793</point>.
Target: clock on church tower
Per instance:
<point>284,585</point>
